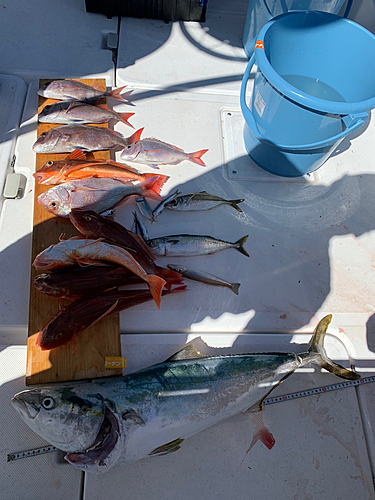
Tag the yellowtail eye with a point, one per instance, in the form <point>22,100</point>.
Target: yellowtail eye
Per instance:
<point>48,403</point>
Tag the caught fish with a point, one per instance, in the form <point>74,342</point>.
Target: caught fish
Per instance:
<point>153,152</point>
<point>152,411</point>
<point>95,252</point>
<point>188,245</point>
<point>66,112</point>
<point>83,281</point>
<point>139,228</point>
<point>67,138</point>
<point>99,195</point>
<point>145,208</point>
<point>68,90</point>
<point>76,317</point>
<point>76,167</point>
<point>199,201</point>
<point>162,205</point>
<point>209,279</point>
<point>93,225</point>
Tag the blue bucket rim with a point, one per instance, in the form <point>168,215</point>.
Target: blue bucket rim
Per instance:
<point>293,93</point>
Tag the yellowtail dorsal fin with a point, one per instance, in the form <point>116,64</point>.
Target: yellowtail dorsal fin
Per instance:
<point>188,352</point>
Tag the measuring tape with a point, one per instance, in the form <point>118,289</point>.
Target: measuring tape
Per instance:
<point>318,390</point>
<point>31,453</point>
<point>269,401</point>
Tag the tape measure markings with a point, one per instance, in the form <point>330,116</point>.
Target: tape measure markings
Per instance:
<point>318,390</point>
<point>31,453</point>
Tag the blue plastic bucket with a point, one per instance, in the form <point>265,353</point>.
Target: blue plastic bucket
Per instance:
<point>259,12</point>
<point>314,86</point>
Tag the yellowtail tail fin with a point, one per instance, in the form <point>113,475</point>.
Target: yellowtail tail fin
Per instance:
<point>316,347</point>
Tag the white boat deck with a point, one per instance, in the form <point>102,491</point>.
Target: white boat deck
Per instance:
<point>311,252</point>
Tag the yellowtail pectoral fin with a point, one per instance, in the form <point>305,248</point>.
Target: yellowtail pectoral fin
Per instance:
<point>167,448</point>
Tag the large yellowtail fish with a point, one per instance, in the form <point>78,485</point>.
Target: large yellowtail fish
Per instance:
<point>152,411</point>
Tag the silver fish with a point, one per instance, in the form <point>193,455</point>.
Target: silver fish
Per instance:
<point>207,278</point>
<point>139,227</point>
<point>188,245</point>
<point>153,152</point>
<point>150,412</point>
<point>80,112</point>
<point>144,208</point>
<point>200,201</point>
<point>162,205</point>
<point>67,138</point>
<point>68,90</point>
<point>99,195</point>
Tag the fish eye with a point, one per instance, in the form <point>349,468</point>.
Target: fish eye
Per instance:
<point>53,204</point>
<point>129,146</point>
<point>58,336</point>
<point>49,163</point>
<point>44,134</point>
<point>87,217</point>
<point>174,202</point>
<point>47,107</point>
<point>48,403</point>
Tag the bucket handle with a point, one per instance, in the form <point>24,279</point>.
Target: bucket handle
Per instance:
<point>353,122</point>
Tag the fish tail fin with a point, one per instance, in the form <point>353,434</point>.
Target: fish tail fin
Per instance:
<point>234,204</point>
<point>169,289</point>
<point>116,94</point>
<point>148,175</point>
<point>318,353</point>
<point>155,284</point>
<point>196,157</point>
<point>135,137</point>
<point>235,287</point>
<point>153,185</point>
<point>239,245</point>
<point>125,117</point>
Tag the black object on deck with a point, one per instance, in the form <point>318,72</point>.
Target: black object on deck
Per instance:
<point>167,10</point>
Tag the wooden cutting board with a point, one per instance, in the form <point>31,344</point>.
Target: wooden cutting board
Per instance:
<point>93,345</point>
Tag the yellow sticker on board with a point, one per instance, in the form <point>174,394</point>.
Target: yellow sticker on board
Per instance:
<point>115,362</point>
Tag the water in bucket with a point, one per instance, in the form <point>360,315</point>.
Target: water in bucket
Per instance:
<point>259,12</point>
<point>313,87</point>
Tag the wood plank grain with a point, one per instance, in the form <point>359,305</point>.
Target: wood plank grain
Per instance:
<point>87,358</point>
